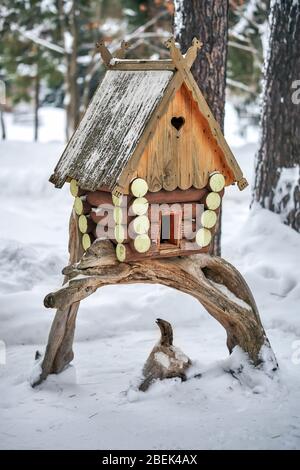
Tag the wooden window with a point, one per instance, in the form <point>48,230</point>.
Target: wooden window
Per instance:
<point>170,229</point>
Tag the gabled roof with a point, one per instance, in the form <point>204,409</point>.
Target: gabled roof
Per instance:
<point>109,141</point>
<point>110,129</point>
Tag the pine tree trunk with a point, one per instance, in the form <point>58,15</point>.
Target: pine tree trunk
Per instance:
<point>74,104</point>
<point>208,21</point>
<point>69,27</point>
<point>2,123</point>
<point>36,106</point>
<point>277,182</point>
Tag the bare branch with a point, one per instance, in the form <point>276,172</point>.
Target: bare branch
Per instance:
<point>241,46</point>
<point>41,42</point>
<point>240,85</point>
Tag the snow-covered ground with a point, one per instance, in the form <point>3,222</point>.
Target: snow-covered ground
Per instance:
<point>52,125</point>
<point>94,403</point>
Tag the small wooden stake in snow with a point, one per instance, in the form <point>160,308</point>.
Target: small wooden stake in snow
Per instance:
<point>139,187</point>
<point>216,182</point>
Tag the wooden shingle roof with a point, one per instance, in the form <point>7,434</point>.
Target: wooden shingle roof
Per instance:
<point>111,128</point>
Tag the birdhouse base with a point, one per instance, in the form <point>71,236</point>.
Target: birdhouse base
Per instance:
<point>215,283</point>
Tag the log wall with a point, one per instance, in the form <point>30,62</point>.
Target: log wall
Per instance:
<point>117,223</point>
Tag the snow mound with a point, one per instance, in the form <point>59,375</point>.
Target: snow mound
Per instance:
<point>52,126</point>
<point>23,266</point>
<point>259,379</point>
<point>264,250</point>
<point>26,168</point>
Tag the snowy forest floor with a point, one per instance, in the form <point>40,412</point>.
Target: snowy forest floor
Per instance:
<point>94,403</point>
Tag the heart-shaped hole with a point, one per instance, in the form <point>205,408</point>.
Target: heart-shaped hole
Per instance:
<point>177,122</point>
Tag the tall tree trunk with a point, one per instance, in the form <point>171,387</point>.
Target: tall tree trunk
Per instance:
<point>69,30</point>
<point>208,21</point>
<point>36,105</point>
<point>73,109</point>
<point>2,123</point>
<point>90,70</point>
<point>277,182</point>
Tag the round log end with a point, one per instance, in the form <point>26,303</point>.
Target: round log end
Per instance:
<point>74,188</point>
<point>208,219</point>
<point>140,206</point>
<point>141,224</point>
<point>117,200</point>
<point>78,205</point>
<point>203,237</point>
<point>118,215</point>
<point>213,201</point>
<point>142,243</point>
<point>121,252</point>
<point>217,182</point>
<point>82,224</point>
<point>139,187</point>
<point>86,241</point>
<point>119,233</point>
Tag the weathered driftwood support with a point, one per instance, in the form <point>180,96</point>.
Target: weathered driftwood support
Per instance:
<point>215,283</point>
<point>59,350</point>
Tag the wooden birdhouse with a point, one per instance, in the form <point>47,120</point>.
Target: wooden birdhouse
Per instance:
<point>148,163</point>
<point>148,166</point>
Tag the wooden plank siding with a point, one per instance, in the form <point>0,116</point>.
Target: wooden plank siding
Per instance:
<point>182,159</point>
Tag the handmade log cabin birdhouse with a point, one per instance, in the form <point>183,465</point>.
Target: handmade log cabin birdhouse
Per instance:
<point>148,163</point>
<point>147,167</point>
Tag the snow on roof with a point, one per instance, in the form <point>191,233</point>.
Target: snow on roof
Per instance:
<point>111,128</point>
